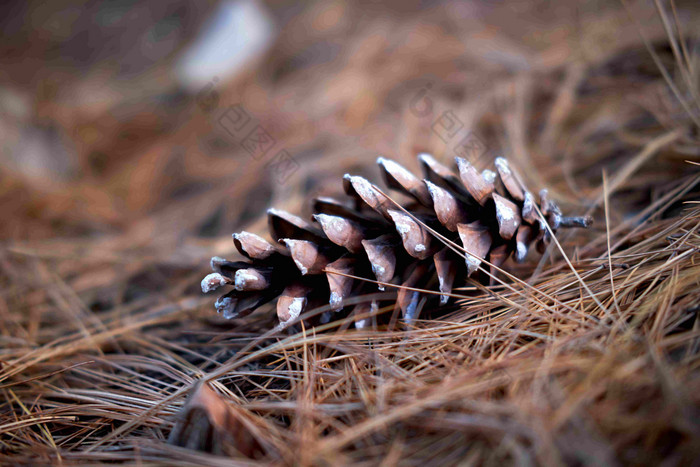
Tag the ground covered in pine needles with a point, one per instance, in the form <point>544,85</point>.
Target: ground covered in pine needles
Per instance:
<point>587,355</point>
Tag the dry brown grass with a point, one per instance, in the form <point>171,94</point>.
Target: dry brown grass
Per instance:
<point>587,356</point>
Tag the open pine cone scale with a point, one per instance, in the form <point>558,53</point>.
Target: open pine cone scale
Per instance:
<point>490,213</point>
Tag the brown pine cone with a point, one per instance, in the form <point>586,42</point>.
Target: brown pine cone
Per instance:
<point>490,214</point>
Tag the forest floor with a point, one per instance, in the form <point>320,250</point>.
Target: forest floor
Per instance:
<point>589,358</point>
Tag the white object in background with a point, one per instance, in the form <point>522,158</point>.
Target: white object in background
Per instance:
<point>239,31</point>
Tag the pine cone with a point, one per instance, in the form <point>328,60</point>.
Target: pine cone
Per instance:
<point>490,213</point>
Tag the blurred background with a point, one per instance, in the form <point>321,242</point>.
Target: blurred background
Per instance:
<point>151,131</point>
